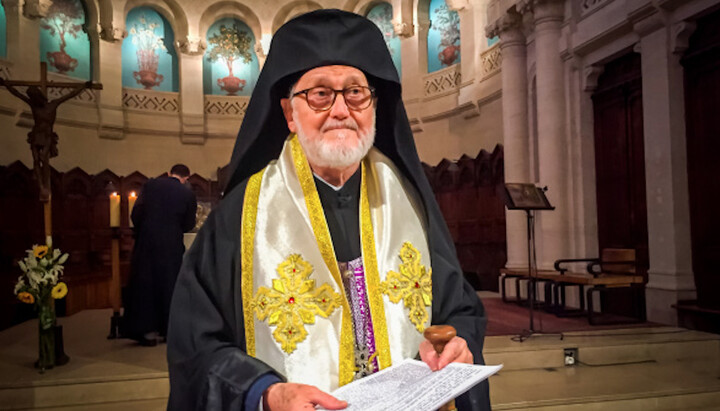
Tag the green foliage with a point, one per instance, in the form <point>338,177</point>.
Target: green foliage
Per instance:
<point>230,44</point>
<point>61,19</point>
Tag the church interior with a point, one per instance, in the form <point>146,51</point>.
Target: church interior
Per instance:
<point>597,118</point>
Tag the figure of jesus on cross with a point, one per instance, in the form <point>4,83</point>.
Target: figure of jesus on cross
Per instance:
<point>42,138</point>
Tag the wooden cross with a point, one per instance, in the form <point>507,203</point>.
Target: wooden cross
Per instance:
<point>42,137</point>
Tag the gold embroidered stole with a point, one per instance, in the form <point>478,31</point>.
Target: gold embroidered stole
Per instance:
<point>293,298</point>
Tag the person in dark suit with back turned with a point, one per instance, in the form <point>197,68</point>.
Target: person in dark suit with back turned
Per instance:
<point>163,212</point>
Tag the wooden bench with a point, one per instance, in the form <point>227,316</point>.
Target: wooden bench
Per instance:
<point>614,269</point>
<point>520,274</point>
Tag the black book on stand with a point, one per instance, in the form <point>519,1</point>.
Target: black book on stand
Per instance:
<point>529,198</point>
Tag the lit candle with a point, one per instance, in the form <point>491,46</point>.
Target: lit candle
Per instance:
<point>131,204</point>
<point>114,210</point>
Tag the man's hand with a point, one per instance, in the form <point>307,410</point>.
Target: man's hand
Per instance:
<point>291,396</point>
<point>456,350</point>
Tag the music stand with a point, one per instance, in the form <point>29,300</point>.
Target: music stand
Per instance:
<point>529,198</point>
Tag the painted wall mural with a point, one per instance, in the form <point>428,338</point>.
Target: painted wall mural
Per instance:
<point>382,14</point>
<point>3,32</point>
<point>149,60</point>
<point>64,44</point>
<point>443,37</point>
<point>230,66</point>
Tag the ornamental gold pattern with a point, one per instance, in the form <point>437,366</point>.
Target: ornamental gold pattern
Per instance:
<point>413,285</point>
<point>294,301</point>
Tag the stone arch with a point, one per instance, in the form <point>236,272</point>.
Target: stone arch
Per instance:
<point>170,9</point>
<point>227,8</point>
<point>291,10</point>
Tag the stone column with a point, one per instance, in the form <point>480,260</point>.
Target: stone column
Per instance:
<point>110,75</point>
<point>23,30</point>
<point>191,91</point>
<point>552,142</point>
<point>670,277</point>
<point>515,126</point>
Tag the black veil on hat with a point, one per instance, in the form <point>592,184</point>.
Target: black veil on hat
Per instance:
<point>320,38</point>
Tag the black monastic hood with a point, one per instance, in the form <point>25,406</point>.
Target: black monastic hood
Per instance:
<point>315,39</point>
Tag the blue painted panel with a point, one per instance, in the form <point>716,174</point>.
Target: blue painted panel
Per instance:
<point>149,59</point>
<point>64,43</point>
<point>3,32</point>
<point>381,15</point>
<point>230,66</point>
<point>443,37</point>
<point>493,40</point>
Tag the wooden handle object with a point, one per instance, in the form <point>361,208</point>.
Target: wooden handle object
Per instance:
<point>439,335</point>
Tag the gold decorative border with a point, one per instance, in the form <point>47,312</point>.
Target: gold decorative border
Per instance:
<point>372,276</point>
<point>322,234</point>
<point>247,247</point>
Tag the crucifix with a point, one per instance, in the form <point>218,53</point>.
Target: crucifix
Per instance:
<point>42,138</point>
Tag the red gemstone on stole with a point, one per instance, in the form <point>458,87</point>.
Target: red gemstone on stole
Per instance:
<point>291,300</point>
<point>417,285</point>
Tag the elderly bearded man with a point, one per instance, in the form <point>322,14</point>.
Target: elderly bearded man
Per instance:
<point>328,256</point>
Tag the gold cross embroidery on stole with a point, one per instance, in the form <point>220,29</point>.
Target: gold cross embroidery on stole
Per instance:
<point>413,285</point>
<point>293,302</point>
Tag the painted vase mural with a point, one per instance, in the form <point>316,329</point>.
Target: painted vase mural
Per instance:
<point>443,37</point>
<point>149,61</point>
<point>147,43</point>
<point>381,14</point>
<point>64,44</point>
<point>230,67</point>
<point>230,44</point>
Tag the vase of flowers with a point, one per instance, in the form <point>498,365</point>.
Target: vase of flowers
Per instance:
<point>40,285</point>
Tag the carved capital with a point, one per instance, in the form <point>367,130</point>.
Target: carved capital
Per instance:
<point>680,39</point>
<point>112,33</point>
<point>192,46</point>
<point>10,5</point>
<point>524,6</point>
<point>259,50</point>
<point>591,74</point>
<point>508,28</point>
<point>36,9</point>
<point>403,29</point>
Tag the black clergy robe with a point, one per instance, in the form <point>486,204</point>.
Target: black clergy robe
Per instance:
<point>209,369</point>
<point>164,211</point>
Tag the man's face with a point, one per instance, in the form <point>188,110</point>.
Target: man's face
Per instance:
<point>337,137</point>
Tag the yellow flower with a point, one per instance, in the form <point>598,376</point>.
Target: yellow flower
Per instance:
<point>59,291</point>
<point>40,251</point>
<point>26,297</point>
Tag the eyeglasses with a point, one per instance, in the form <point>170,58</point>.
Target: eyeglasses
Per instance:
<point>322,98</point>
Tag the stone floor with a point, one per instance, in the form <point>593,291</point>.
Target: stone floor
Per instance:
<point>657,368</point>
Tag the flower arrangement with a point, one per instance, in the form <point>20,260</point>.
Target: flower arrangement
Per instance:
<point>40,285</point>
<point>42,268</point>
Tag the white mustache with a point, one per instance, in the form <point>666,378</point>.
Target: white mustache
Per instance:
<point>333,124</point>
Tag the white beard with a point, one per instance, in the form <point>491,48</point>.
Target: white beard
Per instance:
<point>321,154</point>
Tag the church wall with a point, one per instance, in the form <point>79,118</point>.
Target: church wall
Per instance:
<point>151,154</point>
<point>449,138</point>
<point>111,130</point>
<point>592,33</point>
